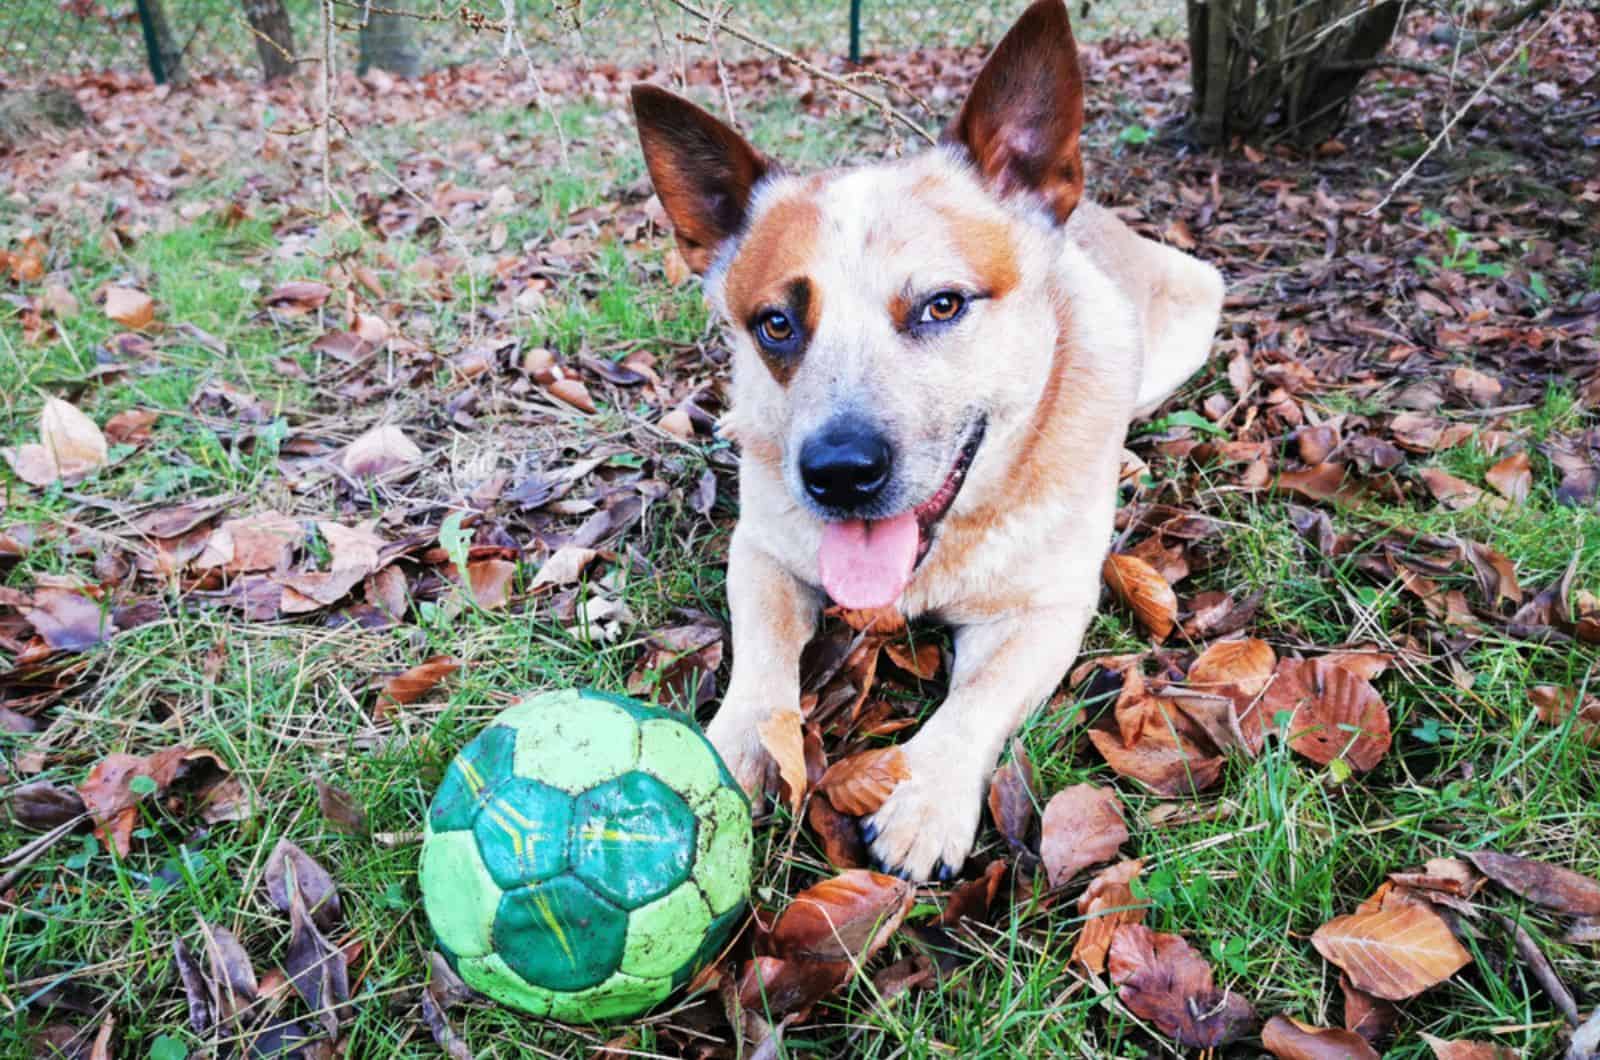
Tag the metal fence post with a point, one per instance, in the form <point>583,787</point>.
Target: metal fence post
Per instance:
<point>152,47</point>
<point>855,30</point>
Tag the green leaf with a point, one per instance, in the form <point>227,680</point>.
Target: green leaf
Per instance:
<point>456,541</point>
<point>1134,134</point>
<point>142,785</point>
<point>1185,418</point>
<point>166,1047</point>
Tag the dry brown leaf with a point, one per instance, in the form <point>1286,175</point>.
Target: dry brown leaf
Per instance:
<point>379,451</point>
<point>564,567</point>
<point>70,446</point>
<point>1555,705</point>
<point>298,297</point>
<point>1465,1050</point>
<point>1334,712</point>
<point>1164,762</point>
<point>922,663</point>
<point>859,784</point>
<point>133,309</point>
<point>572,392</point>
<point>1322,482</point>
<point>491,582</point>
<point>352,548</point>
<point>841,838</point>
<point>676,269</point>
<point>1392,953</point>
<point>1454,493</point>
<point>131,426</point>
<point>1513,477</point>
<point>1247,663</point>
<point>263,541</point>
<point>419,680</point>
<point>1144,591</point>
<point>1540,882</point>
<point>1289,1039</point>
<point>1105,905</point>
<point>1162,979</point>
<point>1371,1017</point>
<point>1011,801</point>
<point>847,918</point>
<point>1083,825</point>
<point>109,792</point>
<point>782,736</point>
<point>678,424</point>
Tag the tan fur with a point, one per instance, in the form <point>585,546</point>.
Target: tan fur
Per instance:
<point>1084,325</point>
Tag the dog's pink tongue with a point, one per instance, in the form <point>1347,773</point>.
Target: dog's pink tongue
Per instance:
<point>866,563</point>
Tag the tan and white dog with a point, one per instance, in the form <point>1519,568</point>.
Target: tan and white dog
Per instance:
<point>935,361</point>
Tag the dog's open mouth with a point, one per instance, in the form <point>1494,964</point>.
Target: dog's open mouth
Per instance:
<point>866,563</point>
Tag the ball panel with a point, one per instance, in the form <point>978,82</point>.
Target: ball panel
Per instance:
<point>471,775</point>
<point>522,831</point>
<point>620,995</point>
<point>573,742</point>
<point>716,936</point>
<point>458,894</point>
<point>492,976</point>
<point>722,860</point>
<point>633,839</point>
<point>679,757</point>
<point>665,935</point>
<point>560,934</point>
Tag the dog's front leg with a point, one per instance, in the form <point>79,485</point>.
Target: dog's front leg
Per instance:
<point>1003,669</point>
<point>774,616</point>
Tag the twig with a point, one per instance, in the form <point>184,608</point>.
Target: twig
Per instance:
<point>512,37</point>
<point>1433,145</point>
<point>1417,66</point>
<point>888,109</point>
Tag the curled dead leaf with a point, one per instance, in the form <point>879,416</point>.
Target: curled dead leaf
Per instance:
<point>416,682</point>
<point>1011,801</point>
<point>1105,905</point>
<point>70,447</point>
<point>847,918</point>
<point>572,392</point>
<point>1144,591</point>
<point>1540,882</point>
<point>379,451</point>
<point>1289,1039</point>
<point>859,784</point>
<point>784,740</point>
<point>1465,1050</point>
<point>133,309</point>
<point>1512,477</point>
<point>1162,979</point>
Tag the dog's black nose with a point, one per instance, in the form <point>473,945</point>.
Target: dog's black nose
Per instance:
<point>845,464</point>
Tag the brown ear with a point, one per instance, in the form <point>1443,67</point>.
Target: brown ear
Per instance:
<point>702,170</point>
<point>1022,118</point>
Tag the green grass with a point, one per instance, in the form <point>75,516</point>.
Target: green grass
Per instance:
<point>1286,848</point>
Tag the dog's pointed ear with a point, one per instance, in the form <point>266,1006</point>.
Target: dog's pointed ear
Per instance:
<point>1021,121</point>
<point>702,170</point>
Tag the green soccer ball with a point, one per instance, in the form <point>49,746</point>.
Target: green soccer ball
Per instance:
<point>585,856</point>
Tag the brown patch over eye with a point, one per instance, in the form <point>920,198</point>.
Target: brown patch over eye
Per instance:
<point>986,245</point>
<point>776,251</point>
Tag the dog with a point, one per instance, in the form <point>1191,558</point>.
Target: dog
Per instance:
<point>935,361</point>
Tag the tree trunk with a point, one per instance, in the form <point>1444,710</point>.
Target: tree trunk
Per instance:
<point>1286,68</point>
<point>389,42</point>
<point>168,54</point>
<point>274,37</point>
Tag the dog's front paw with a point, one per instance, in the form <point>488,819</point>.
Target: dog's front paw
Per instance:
<point>925,828</point>
<point>739,744</point>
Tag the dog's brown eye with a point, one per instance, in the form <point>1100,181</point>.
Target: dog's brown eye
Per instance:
<point>943,308</point>
<point>775,328</point>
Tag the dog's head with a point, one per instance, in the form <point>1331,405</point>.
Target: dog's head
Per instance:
<point>892,323</point>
